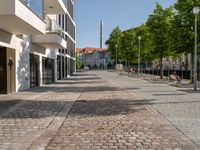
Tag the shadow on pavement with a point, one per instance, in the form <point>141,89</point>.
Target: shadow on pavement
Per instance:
<point>75,89</point>
<point>76,82</point>
<point>81,108</point>
<point>84,78</point>
<point>112,107</point>
<point>33,109</point>
<point>169,94</point>
<point>189,91</point>
<point>82,74</point>
<point>5,105</point>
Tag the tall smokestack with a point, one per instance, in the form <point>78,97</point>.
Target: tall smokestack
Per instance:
<point>101,33</point>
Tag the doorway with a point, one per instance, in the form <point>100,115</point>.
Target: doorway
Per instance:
<point>3,72</point>
<point>7,70</point>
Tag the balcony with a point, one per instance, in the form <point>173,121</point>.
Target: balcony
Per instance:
<point>55,6</point>
<point>52,38</point>
<point>21,17</point>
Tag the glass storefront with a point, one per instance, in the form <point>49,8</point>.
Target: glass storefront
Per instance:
<point>58,67</point>
<point>66,67</point>
<point>34,70</point>
<point>47,70</point>
<point>63,67</point>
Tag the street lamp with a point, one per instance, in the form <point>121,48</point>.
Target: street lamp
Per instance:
<point>196,12</point>
<point>116,56</point>
<point>139,39</point>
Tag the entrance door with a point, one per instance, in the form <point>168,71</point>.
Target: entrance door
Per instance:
<point>3,71</point>
<point>7,70</point>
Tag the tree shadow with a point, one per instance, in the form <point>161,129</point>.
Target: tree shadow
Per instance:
<point>74,89</point>
<point>189,90</point>
<point>83,74</point>
<point>169,94</point>
<point>84,78</point>
<point>77,82</point>
<point>112,107</point>
<point>5,105</point>
<point>81,108</point>
<point>23,69</point>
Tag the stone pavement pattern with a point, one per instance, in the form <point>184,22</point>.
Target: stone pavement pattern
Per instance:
<point>37,114</point>
<point>179,105</point>
<point>85,112</point>
<point>107,116</point>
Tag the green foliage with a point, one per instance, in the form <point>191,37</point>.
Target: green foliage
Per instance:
<point>114,39</point>
<point>167,33</point>
<point>128,46</point>
<point>159,24</point>
<point>79,64</point>
<point>183,26</point>
<point>146,42</point>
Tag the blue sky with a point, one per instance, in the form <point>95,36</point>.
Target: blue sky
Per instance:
<point>125,13</point>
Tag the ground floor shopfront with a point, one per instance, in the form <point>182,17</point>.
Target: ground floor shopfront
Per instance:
<point>21,70</point>
<point>24,64</point>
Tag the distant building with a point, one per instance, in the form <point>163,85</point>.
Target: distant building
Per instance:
<point>94,57</point>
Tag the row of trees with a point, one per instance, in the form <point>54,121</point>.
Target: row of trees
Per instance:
<point>167,33</point>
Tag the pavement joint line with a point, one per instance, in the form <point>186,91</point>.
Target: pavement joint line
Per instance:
<point>55,124</point>
<point>158,112</point>
<point>151,108</point>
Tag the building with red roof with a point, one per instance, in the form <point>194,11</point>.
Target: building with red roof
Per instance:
<point>94,57</point>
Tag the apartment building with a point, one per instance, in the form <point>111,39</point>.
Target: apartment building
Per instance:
<point>37,43</point>
<point>94,57</point>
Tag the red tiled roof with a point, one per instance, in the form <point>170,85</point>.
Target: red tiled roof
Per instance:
<point>78,50</point>
<point>90,49</point>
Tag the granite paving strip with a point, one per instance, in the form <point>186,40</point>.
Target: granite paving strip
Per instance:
<point>107,116</point>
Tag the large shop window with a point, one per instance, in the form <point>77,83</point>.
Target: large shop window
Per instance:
<point>58,67</point>
<point>47,70</point>
<point>34,70</point>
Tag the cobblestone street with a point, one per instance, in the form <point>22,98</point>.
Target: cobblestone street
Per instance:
<point>100,110</point>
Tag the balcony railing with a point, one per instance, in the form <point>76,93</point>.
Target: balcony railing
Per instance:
<point>53,27</point>
<point>37,6</point>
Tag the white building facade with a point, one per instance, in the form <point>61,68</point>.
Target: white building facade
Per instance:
<point>37,43</point>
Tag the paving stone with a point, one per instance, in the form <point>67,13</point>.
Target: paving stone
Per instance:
<point>117,120</point>
<point>101,111</point>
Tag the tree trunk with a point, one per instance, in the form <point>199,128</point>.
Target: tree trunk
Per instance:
<point>161,68</point>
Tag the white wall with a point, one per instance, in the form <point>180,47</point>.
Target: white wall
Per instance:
<point>22,63</point>
<point>23,47</point>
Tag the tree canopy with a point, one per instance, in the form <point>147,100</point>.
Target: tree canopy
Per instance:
<point>167,33</point>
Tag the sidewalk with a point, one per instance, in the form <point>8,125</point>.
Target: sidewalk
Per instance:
<point>178,105</point>
<point>90,111</point>
<point>29,119</point>
<point>107,116</point>
<point>185,83</point>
